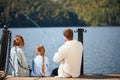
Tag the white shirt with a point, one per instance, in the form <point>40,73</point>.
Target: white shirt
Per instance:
<point>37,66</point>
<point>70,56</point>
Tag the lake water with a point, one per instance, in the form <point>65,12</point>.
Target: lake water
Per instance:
<point>101,46</point>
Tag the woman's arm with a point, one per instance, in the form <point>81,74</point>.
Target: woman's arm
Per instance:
<point>23,59</point>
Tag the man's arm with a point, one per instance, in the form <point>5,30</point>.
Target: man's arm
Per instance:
<point>59,56</point>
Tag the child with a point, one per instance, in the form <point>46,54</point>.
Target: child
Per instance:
<point>40,63</point>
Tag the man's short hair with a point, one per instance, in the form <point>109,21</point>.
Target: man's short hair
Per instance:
<point>68,33</point>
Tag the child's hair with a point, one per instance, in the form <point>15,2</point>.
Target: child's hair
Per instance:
<point>18,41</point>
<point>41,50</point>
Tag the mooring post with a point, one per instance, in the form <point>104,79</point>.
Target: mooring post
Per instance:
<point>80,38</point>
<point>0,40</point>
<point>3,53</point>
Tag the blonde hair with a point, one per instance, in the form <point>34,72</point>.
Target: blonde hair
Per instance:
<point>18,41</point>
<point>41,50</point>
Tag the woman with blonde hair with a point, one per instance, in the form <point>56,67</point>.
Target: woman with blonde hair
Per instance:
<point>40,64</point>
<point>18,59</point>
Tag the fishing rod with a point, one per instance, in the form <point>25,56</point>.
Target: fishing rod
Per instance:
<point>30,19</point>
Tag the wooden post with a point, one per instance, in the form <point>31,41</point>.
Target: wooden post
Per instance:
<point>80,38</point>
<point>3,53</point>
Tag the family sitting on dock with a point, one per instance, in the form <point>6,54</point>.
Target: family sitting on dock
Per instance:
<point>69,55</point>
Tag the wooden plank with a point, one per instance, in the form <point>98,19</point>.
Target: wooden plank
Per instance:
<point>2,75</point>
<point>83,77</point>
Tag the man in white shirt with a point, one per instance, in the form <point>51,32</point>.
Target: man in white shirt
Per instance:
<point>69,55</point>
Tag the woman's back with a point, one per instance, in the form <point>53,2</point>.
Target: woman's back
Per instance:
<point>18,60</point>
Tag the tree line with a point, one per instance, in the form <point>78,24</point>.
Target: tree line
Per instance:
<point>57,13</point>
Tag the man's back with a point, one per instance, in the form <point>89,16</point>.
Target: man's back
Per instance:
<point>73,57</point>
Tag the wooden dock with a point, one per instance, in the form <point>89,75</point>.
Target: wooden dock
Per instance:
<point>83,77</point>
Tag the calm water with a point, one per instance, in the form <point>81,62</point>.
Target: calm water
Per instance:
<point>101,46</point>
